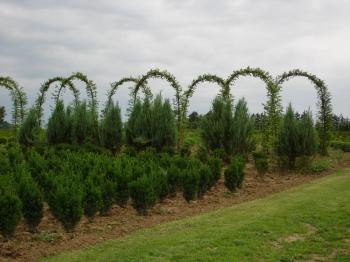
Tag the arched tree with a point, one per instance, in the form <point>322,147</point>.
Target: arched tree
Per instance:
<point>189,93</point>
<point>89,86</point>
<point>46,86</point>
<point>324,116</point>
<point>273,106</point>
<point>19,99</point>
<point>117,84</point>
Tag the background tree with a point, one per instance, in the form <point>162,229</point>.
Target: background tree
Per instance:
<point>194,120</point>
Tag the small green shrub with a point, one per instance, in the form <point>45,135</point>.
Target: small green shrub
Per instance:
<point>66,201</point>
<point>121,194</point>
<point>160,184</point>
<point>205,178</point>
<point>234,174</point>
<point>32,202</point>
<point>143,194</point>
<point>215,165</point>
<point>92,198</point>
<point>320,166</point>
<point>220,153</point>
<point>3,141</point>
<point>107,194</point>
<point>202,154</point>
<point>261,162</point>
<point>190,184</point>
<point>344,146</point>
<point>10,212</point>
<point>173,179</point>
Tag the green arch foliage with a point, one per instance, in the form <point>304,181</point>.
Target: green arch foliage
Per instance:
<point>90,88</point>
<point>211,78</point>
<point>324,104</point>
<point>46,86</point>
<point>19,99</point>
<point>273,107</point>
<point>156,73</point>
<point>115,86</point>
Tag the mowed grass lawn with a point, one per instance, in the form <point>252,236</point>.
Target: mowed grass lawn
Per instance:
<point>310,222</point>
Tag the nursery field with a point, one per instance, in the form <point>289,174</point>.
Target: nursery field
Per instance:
<point>307,223</point>
<point>86,175</point>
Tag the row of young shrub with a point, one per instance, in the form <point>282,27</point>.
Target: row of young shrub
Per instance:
<point>84,183</point>
<point>20,195</point>
<point>151,122</point>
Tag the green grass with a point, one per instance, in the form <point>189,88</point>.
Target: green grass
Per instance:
<point>304,223</point>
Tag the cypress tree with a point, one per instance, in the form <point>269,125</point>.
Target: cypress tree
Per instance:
<point>243,127</point>
<point>111,127</point>
<point>56,128</point>
<point>29,131</point>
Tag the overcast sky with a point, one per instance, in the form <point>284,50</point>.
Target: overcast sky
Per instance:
<point>108,40</point>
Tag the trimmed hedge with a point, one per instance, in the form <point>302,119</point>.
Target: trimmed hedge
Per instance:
<point>32,202</point>
<point>234,174</point>
<point>10,212</point>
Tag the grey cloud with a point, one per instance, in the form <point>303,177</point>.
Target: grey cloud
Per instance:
<point>111,39</point>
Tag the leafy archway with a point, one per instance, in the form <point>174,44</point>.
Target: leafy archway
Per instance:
<point>115,86</point>
<point>190,91</point>
<point>324,104</point>
<point>46,86</point>
<point>19,99</point>
<point>156,73</point>
<point>89,86</point>
<point>272,107</point>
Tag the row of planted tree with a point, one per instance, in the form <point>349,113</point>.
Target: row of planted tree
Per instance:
<point>273,108</point>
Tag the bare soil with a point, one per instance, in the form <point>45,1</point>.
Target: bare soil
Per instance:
<point>52,239</point>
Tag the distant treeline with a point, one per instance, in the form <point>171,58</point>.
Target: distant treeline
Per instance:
<point>340,123</point>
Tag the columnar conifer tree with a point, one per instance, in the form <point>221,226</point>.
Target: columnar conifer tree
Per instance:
<point>57,125</point>
<point>111,127</point>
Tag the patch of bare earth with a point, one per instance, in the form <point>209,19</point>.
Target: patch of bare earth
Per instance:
<point>51,238</point>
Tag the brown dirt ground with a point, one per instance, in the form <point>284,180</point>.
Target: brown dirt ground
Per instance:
<point>51,238</point>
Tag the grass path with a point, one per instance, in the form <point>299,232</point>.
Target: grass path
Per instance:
<point>307,223</point>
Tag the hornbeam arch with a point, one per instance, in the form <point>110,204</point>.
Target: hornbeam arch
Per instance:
<point>46,86</point>
<point>90,87</point>
<point>115,86</point>
<point>195,82</point>
<point>272,107</point>
<point>19,99</point>
<point>324,103</point>
<point>190,91</point>
<point>156,73</point>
